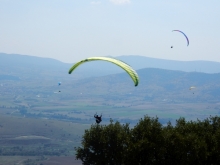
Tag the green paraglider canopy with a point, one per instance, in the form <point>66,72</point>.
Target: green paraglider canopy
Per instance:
<point>132,73</point>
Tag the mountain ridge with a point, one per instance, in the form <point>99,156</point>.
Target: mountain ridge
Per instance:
<point>11,62</point>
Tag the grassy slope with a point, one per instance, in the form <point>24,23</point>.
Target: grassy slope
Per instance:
<point>12,127</point>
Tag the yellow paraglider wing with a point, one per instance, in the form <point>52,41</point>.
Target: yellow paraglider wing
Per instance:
<point>132,73</point>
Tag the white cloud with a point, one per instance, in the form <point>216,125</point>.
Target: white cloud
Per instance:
<point>95,2</point>
<point>120,2</point>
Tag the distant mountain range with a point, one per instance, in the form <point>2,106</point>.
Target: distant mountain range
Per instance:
<point>110,82</point>
<point>140,62</point>
<point>23,65</point>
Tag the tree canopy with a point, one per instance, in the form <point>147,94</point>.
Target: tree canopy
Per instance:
<point>149,142</point>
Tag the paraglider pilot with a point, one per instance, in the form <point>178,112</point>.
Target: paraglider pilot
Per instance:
<point>98,118</point>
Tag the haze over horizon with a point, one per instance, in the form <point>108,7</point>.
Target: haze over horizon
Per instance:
<point>73,30</point>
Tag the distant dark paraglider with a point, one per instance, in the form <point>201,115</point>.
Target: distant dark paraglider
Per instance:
<point>98,118</point>
<point>184,35</point>
<point>131,72</point>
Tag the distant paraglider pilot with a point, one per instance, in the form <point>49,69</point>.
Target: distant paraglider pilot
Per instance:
<point>171,47</point>
<point>192,88</point>
<point>98,118</point>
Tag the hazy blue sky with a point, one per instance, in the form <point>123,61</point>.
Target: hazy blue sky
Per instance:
<point>70,30</point>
